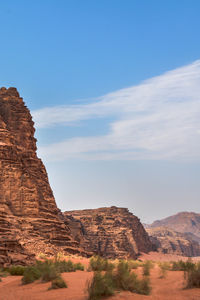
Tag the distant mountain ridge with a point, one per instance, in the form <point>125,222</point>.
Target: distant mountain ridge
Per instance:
<point>179,234</point>
<point>171,242</point>
<point>184,222</point>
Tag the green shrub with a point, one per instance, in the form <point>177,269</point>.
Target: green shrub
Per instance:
<point>104,285</point>
<point>4,273</point>
<point>143,286</point>
<point>16,270</point>
<point>58,283</point>
<point>100,286</point>
<point>193,277</point>
<point>147,266</point>
<point>64,266</point>
<point>126,280</point>
<point>98,263</point>
<point>134,264</point>
<point>123,277</point>
<point>48,270</point>
<point>68,266</point>
<point>79,266</point>
<point>182,266</point>
<point>164,267</point>
<point>30,275</point>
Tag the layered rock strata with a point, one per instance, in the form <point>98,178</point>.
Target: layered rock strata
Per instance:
<point>171,242</point>
<point>185,222</point>
<point>28,212</point>
<point>111,232</point>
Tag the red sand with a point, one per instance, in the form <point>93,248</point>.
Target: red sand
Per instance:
<point>169,288</point>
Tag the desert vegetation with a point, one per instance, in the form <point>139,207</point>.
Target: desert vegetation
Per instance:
<point>182,265</point>
<point>46,270</point>
<point>192,277</point>
<point>147,266</point>
<point>104,277</point>
<point>98,263</point>
<point>115,278</point>
<point>164,267</point>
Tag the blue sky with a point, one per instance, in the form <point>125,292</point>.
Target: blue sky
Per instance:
<point>114,89</point>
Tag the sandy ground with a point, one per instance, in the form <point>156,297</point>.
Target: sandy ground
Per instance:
<point>169,288</point>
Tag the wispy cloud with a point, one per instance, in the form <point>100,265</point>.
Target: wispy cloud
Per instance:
<point>157,119</point>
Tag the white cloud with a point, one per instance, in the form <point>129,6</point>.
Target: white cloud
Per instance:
<point>157,119</point>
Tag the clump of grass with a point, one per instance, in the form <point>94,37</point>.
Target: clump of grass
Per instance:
<point>122,278</point>
<point>134,264</point>
<point>16,270</point>
<point>182,265</point>
<point>65,266</point>
<point>48,270</point>
<point>68,266</point>
<point>79,266</point>
<point>101,285</point>
<point>4,272</point>
<point>164,267</point>
<point>143,286</point>
<point>98,263</point>
<point>147,266</point>
<point>192,277</point>
<point>30,275</point>
<point>128,281</point>
<point>58,283</point>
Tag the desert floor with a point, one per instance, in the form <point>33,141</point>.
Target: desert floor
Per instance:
<point>169,288</point>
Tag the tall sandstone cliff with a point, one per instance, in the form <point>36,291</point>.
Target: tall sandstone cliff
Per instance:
<point>111,232</point>
<point>30,221</point>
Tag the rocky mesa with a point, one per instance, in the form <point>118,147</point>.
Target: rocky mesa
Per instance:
<point>111,232</point>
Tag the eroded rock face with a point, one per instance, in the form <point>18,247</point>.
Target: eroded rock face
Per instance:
<point>171,242</point>
<point>185,222</point>
<point>28,212</point>
<point>111,232</point>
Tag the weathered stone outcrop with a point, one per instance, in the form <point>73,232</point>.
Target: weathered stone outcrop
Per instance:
<point>28,212</point>
<point>171,242</point>
<point>185,222</point>
<point>111,232</point>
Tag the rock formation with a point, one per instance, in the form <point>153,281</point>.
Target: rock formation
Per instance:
<point>29,218</point>
<point>171,242</point>
<point>111,232</point>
